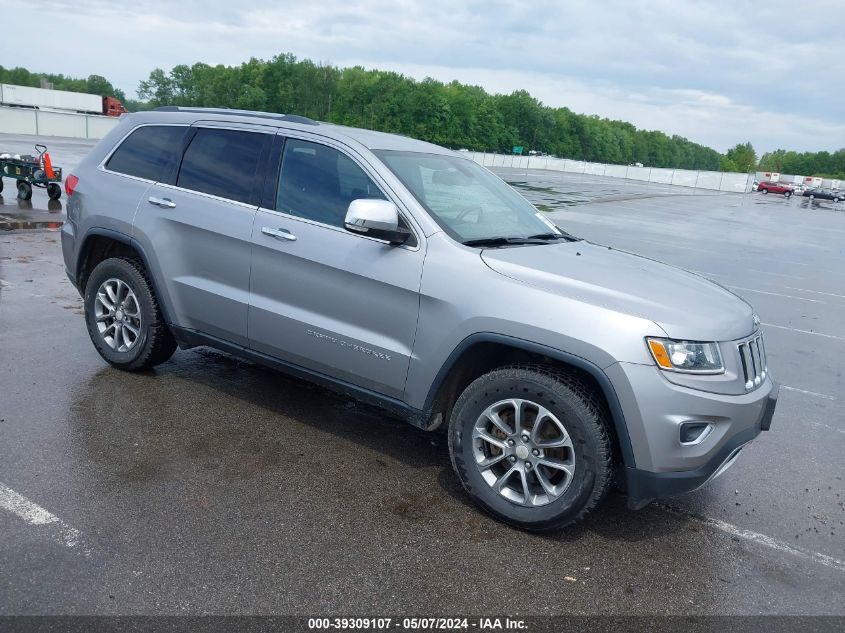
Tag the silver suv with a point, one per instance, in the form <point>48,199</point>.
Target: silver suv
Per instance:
<point>408,276</point>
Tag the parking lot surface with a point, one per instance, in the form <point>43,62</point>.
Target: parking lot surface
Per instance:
<point>213,485</point>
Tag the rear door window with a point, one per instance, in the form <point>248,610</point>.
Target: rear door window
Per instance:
<point>223,163</point>
<point>149,152</point>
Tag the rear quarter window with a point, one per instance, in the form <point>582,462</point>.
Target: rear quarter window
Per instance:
<point>148,152</point>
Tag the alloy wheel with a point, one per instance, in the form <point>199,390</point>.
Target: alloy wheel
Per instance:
<point>118,315</point>
<point>524,452</point>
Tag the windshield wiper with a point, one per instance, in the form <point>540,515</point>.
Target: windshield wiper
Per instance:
<point>563,235</point>
<point>540,238</point>
<point>503,241</point>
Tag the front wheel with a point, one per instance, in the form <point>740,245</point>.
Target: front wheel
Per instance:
<point>531,445</point>
<point>54,192</point>
<point>764,191</point>
<point>123,316</point>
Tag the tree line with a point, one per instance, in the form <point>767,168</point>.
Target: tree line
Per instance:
<point>452,114</point>
<point>825,164</point>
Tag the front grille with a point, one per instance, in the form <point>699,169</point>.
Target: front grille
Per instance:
<point>753,357</point>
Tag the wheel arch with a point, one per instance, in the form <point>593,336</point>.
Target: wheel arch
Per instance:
<point>482,352</point>
<point>102,243</point>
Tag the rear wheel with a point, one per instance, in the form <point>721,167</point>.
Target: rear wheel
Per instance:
<point>123,316</point>
<point>787,194</point>
<point>54,191</point>
<point>24,190</point>
<point>531,446</point>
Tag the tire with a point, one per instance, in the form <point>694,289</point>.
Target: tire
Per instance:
<point>24,191</point>
<point>153,344</point>
<point>787,194</point>
<point>764,191</point>
<point>568,401</point>
<point>54,191</point>
<point>1,185</point>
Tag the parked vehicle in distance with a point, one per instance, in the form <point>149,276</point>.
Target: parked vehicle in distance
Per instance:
<point>775,187</point>
<point>754,185</point>
<point>825,194</point>
<point>798,189</point>
<point>410,277</point>
<point>59,100</point>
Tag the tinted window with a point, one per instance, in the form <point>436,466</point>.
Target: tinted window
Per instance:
<point>222,163</point>
<point>148,152</point>
<point>318,183</point>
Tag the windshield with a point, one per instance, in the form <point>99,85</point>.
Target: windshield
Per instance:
<point>465,199</point>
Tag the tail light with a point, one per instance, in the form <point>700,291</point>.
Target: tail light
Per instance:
<point>70,184</point>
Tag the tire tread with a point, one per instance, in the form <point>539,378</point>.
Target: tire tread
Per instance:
<point>160,343</point>
<point>597,417</point>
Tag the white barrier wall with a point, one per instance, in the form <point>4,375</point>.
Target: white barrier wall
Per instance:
<point>51,123</point>
<point>714,180</point>
<point>99,126</point>
<point>17,120</point>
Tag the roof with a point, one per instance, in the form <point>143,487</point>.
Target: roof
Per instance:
<point>370,139</point>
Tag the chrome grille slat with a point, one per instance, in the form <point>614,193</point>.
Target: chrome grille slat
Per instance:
<point>752,355</point>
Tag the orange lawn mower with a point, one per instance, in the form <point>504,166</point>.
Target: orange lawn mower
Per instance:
<point>32,171</point>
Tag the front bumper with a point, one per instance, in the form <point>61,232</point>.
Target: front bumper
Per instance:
<point>654,409</point>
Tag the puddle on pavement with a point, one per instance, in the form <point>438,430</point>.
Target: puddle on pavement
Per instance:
<point>8,204</point>
<point>21,225</point>
<point>22,215</point>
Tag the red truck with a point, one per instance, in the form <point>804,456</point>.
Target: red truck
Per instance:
<point>59,100</point>
<point>113,107</point>
<point>775,187</point>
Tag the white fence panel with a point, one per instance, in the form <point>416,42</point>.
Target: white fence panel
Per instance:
<point>17,121</point>
<point>638,173</point>
<point>734,182</point>
<point>555,164</point>
<point>684,178</point>
<point>616,171</point>
<point>713,180</point>
<point>662,176</point>
<point>709,179</point>
<point>61,124</point>
<point>51,123</point>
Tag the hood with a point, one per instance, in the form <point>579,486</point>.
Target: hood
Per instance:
<point>685,305</point>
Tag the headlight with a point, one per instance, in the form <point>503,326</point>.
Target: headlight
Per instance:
<point>686,356</point>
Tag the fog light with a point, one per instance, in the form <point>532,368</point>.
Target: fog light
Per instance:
<point>695,432</point>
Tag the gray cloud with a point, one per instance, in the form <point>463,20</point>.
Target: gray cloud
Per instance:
<point>716,72</point>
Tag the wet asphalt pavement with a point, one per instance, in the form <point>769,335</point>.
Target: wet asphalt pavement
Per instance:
<point>212,485</point>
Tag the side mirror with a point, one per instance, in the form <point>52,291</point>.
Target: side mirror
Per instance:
<point>376,218</point>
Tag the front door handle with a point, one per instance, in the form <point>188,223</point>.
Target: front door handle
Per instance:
<point>280,233</point>
<point>167,203</point>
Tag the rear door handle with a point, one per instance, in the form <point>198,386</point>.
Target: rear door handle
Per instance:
<point>280,233</point>
<point>167,203</point>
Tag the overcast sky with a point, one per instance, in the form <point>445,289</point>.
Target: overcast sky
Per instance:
<point>717,72</point>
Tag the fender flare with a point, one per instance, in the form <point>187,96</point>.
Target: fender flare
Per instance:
<point>163,299</point>
<point>619,424</point>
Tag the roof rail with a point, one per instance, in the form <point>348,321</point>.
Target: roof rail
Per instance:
<point>290,118</point>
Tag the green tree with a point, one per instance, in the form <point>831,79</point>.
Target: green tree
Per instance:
<point>743,157</point>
